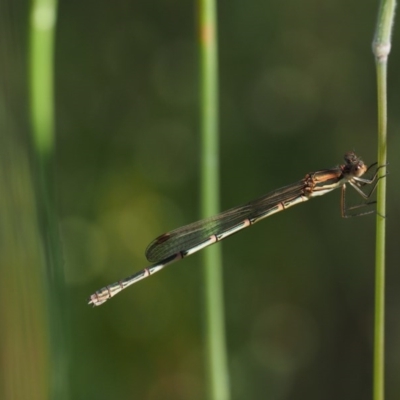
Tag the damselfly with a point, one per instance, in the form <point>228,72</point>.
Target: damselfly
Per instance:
<point>187,240</point>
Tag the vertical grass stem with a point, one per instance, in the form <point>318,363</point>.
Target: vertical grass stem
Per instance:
<point>381,48</point>
<point>42,34</point>
<point>214,303</point>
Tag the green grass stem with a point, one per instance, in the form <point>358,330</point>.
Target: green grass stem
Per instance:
<point>42,34</point>
<point>381,49</point>
<point>217,367</point>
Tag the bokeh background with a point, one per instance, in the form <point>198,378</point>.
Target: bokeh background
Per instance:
<point>297,90</point>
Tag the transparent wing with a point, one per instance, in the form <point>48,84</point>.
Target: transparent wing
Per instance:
<point>188,236</point>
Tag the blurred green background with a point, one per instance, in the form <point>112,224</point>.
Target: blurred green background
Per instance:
<point>297,90</point>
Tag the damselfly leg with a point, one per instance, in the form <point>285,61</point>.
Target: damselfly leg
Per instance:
<point>357,183</point>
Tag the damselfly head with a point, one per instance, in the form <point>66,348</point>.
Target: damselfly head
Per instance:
<point>354,165</point>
